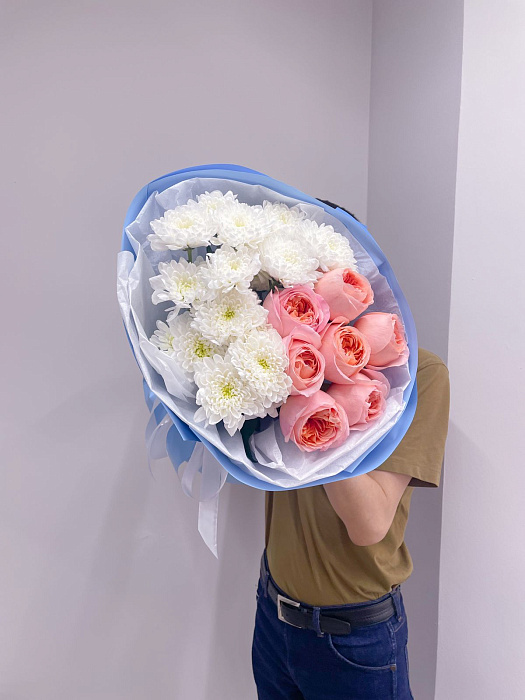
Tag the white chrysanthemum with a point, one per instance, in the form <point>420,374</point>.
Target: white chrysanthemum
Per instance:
<point>224,395</point>
<point>331,248</point>
<point>229,315</point>
<point>164,337</point>
<point>240,224</point>
<point>261,358</point>
<point>180,282</point>
<point>280,214</point>
<point>177,337</point>
<point>289,258</point>
<point>213,202</point>
<point>186,226</point>
<point>228,268</point>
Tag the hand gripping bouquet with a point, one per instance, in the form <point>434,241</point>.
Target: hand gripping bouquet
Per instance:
<point>276,347</point>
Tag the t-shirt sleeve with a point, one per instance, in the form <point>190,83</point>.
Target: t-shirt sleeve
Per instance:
<point>421,450</point>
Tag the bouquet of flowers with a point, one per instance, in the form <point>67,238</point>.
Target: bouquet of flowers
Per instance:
<point>274,349</point>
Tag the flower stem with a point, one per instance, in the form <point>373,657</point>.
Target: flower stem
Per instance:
<point>190,254</point>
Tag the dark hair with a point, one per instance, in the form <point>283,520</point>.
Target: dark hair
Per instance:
<point>337,206</point>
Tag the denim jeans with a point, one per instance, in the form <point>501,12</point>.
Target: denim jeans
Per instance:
<point>369,663</point>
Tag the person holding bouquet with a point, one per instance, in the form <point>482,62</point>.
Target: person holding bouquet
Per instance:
<point>330,620</point>
<point>277,350</point>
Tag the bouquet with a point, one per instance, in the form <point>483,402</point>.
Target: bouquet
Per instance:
<point>275,344</point>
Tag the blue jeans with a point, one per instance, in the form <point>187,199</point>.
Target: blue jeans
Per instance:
<point>369,663</point>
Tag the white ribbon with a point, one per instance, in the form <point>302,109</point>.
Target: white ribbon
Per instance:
<point>212,475</point>
<point>156,434</point>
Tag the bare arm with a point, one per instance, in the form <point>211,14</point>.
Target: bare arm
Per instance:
<point>367,503</point>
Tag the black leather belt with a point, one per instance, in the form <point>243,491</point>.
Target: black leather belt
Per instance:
<point>333,620</point>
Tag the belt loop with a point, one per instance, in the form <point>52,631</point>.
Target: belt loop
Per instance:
<point>315,620</point>
<point>396,595</point>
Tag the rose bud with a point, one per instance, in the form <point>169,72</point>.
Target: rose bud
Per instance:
<point>386,336</point>
<point>363,402</point>
<point>367,373</point>
<point>346,292</point>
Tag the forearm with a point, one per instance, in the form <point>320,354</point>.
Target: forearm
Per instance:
<point>363,506</point>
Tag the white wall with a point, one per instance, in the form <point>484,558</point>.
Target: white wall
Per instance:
<point>481,647</point>
<point>107,590</point>
<point>414,114</point>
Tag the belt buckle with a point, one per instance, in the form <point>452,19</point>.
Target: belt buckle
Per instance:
<point>283,599</point>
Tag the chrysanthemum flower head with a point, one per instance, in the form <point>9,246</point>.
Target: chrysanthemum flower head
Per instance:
<point>224,395</point>
<point>228,268</point>
<point>186,226</point>
<point>164,337</point>
<point>332,249</point>
<point>213,202</point>
<point>260,357</point>
<point>180,282</point>
<point>184,342</point>
<point>240,225</point>
<point>289,258</point>
<point>229,315</point>
<point>280,215</point>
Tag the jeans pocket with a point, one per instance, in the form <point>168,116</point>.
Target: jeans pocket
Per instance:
<point>369,649</point>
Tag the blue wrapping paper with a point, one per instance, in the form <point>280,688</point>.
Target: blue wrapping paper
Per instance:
<point>180,438</point>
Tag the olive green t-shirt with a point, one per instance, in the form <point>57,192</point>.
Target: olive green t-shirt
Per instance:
<point>310,554</point>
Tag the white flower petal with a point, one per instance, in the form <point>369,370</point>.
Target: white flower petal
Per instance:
<point>279,214</point>
<point>228,316</point>
<point>186,226</point>
<point>179,281</point>
<point>224,395</point>
<point>260,357</point>
<point>289,258</point>
<point>332,249</point>
<point>228,268</point>
<point>183,342</point>
<point>240,224</point>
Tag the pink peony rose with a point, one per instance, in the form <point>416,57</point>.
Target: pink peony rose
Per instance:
<point>297,307</point>
<point>314,422</point>
<point>363,402</point>
<point>306,364</point>
<point>367,373</point>
<point>345,350</point>
<point>386,335</point>
<point>346,292</point>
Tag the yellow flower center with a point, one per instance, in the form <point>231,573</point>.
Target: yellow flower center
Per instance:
<point>201,349</point>
<point>264,363</point>
<point>185,223</point>
<point>186,286</point>
<point>228,314</point>
<point>228,391</point>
